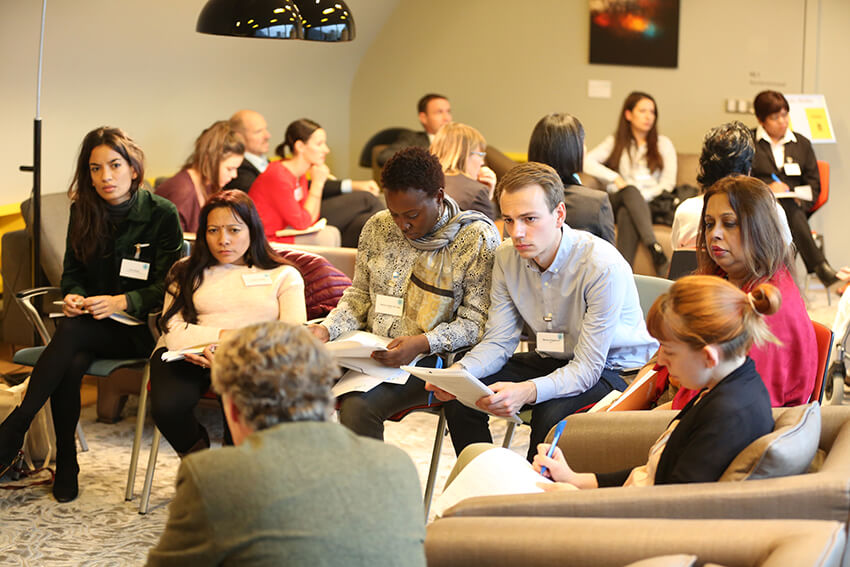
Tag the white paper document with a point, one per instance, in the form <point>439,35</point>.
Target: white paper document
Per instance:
<point>357,344</point>
<point>494,472</point>
<point>803,192</point>
<point>464,386</point>
<point>315,227</point>
<point>174,355</point>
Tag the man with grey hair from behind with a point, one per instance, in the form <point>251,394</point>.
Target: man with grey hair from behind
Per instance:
<point>295,489</point>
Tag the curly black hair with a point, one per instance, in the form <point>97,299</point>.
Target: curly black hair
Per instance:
<point>726,149</point>
<point>413,168</point>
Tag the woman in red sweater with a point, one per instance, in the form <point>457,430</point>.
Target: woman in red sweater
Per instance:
<point>740,239</point>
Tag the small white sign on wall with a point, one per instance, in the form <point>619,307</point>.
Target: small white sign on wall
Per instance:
<point>598,89</point>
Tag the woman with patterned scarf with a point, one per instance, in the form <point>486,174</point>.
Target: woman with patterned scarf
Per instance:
<point>422,278</point>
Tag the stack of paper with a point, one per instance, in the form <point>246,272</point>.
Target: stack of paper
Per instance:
<point>174,355</point>
<point>353,350</point>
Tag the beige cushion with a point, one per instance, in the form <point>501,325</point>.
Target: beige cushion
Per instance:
<point>666,561</point>
<point>788,450</point>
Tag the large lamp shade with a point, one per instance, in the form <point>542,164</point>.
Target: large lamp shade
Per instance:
<point>275,19</point>
<point>326,20</point>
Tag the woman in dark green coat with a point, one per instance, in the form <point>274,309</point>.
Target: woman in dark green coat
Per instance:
<point>121,243</point>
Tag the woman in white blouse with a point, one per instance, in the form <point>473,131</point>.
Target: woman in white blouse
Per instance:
<point>232,279</point>
<point>637,165</point>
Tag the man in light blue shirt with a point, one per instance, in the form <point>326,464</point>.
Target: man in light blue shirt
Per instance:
<point>577,296</point>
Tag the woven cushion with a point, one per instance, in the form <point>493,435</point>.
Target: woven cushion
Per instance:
<point>788,450</point>
<point>323,283</point>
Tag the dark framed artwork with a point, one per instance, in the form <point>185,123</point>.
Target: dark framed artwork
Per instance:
<point>644,33</point>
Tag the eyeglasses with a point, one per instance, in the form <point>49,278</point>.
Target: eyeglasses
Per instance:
<point>482,155</point>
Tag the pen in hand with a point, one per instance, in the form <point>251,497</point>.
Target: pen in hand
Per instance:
<point>558,431</point>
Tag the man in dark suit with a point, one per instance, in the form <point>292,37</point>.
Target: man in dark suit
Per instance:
<point>295,489</point>
<point>343,204</point>
<point>434,111</point>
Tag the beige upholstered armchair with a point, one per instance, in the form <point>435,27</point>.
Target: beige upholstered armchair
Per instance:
<point>614,441</point>
<point>606,542</point>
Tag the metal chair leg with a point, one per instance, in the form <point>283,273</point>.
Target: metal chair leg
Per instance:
<point>137,439</point>
<point>146,490</point>
<point>509,435</point>
<point>435,462</point>
<point>82,439</point>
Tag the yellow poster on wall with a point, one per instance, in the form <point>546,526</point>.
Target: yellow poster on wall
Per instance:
<point>818,124</point>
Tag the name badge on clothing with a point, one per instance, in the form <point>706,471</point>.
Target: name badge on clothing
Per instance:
<point>389,305</point>
<point>550,342</point>
<point>134,269</point>
<point>298,193</point>
<point>792,169</point>
<point>261,278</point>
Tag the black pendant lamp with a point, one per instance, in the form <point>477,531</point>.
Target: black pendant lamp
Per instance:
<point>326,20</point>
<point>314,20</point>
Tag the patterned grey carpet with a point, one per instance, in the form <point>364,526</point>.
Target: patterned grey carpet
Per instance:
<point>100,529</point>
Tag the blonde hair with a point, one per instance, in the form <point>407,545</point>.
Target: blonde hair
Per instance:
<point>708,310</point>
<point>275,372</point>
<point>452,145</point>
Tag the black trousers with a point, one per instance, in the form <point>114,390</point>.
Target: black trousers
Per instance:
<point>349,212</point>
<point>634,221</point>
<point>365,412</point>
<point>801,234</point>
<point>467,425</point>
<point>59,371</point>
<point>176,388</point>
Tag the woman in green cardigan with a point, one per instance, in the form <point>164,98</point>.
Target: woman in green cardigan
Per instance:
<point>121,243</point>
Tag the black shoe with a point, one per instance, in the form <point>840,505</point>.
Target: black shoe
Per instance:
<point>826,274</point>
<point>12,432</point>
<point>65,486</point>
<point>659,258</point>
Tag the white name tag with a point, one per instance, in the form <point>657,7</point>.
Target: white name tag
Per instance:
<point>134,269</point>
<point>389,305</point>
<point>257,279</point>
<point>792,169</point>
<point>550,342</point>
<point>298,193</point>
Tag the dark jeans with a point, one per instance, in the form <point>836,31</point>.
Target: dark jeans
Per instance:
<point>349,212</point>
<point>176,388</point>
<point>365,412</point>
<point>59,370</point>
<point>634,221</point>
<point>801,234</point>
<point>467,425</point>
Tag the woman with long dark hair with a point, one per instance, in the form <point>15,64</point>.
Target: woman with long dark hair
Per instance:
<point>740,239</point>
<point>638,165</point>
<point>231,279</point>
<point>121,243</point>
<point>285,199</point>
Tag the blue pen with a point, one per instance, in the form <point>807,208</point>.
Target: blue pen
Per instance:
<point>558,430</point>
<point>439,364</point>
<point>775,178</point>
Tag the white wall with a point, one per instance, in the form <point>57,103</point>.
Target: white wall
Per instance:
<point>505,64</point>
<point>141,66</point>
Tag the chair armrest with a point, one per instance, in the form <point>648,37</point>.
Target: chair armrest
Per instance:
<point>25,298</point>
<point>29,294</point>
<point>507,542</point>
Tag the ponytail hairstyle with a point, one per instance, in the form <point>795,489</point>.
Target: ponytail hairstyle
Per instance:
<point>216,143</point>
<point>187,275</point>
<point>707,310</point>
<point>623,138</point>
<point>298,131</point>
<point>88,233</point>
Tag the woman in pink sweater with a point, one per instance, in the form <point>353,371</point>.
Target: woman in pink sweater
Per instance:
<point>232,279</point>
<point>740,239</point>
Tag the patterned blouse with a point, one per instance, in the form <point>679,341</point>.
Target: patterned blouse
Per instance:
<point>385,260</point>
